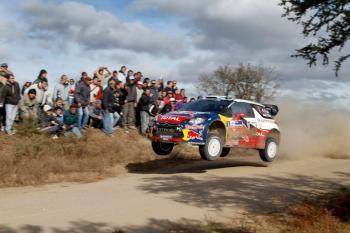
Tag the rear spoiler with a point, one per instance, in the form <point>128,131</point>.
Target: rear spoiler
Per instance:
<point>273,109</point>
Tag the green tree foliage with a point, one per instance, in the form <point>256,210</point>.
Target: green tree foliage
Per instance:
<point>244,82</point>
<point>328,21</point>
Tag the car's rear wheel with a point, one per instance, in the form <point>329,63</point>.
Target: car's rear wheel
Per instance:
<point>212,148</point>
<point>270,152</point>
<point>225,151</point>
<point>162,148</point>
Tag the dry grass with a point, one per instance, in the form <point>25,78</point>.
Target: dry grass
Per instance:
<point>30,158</point>
<point>327,214</point>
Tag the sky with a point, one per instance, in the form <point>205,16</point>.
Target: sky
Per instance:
<point>171,39</point>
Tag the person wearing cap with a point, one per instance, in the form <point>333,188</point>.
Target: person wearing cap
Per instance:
<point>42,75</point>
<point>130,104</point>
<point>102,73</point>
<point>82,99</point>
<point>11,95</point>
<point>70,120</point>
<point>28,106</point>
<point>110,104</point>
<point>62,89</point>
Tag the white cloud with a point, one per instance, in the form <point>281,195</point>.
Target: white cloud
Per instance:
<point>83,24</point>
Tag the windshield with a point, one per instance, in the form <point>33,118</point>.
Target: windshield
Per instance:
<point>207,106</point>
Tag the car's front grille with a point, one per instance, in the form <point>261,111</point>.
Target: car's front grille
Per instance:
<point>169,129</point>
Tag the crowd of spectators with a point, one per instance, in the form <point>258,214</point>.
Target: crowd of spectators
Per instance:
<point>106,100</point>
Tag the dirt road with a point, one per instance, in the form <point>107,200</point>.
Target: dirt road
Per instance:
<point>145,202</point>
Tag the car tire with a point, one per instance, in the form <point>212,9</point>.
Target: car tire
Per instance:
<point>162,148</point>
<point>225,151</point>
<point>212,148</point>
<point>270,152</point>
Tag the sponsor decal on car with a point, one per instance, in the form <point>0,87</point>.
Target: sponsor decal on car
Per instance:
<point>192,135</point>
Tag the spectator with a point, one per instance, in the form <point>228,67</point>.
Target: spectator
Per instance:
<point>4,73</point>
<point>60,104</point>
<point>71,122</point>
<point>51,124</point>
<point>161,84</point>
<point>71,91</point>
<point>114,75</point>
<point>130,104</point>
<point>154,91</point>
<point>58,113</point>
<point>25,86</point>
<point>42,96</point>
<point>42,76</point>
<point>122,74</point>
<point>145,104</point>
<point>168,103</point>
<point>129,76</point>
<point>109,105</point>
<point>96,90</point>
<point>102,74</point>
<point>139,92</point>
<point>11,94</point>
<point>169,86</point>
<point>28,106</point>
<point>82,99</point>
<point>174,86</point>
<point>121,94</point>
<point>62,89</point>
<point>96,114</point>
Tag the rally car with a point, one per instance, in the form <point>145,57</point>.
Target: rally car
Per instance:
<point>217,124</point>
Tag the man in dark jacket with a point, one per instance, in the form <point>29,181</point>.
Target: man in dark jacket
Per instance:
<point>11,94</point>
<point>109,105</point>
<point>145,103</point>
<point>82,99</point>
<point>70,120</point>
<point>130,104</point>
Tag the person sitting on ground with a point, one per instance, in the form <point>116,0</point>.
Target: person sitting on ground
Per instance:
<point>28,106</point>
<point>51,124</point>
<point>71,121</point>
<point>58,113</point>
<point>96,114</point>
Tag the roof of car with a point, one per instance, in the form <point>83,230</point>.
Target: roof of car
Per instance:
<point>218,98</point>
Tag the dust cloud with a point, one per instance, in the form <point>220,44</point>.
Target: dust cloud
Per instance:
<point>313,130</point>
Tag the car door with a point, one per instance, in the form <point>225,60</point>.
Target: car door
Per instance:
<point>242,129</point>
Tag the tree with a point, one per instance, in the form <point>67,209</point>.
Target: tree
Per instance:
<point>328,21</point>
<point>244,82</point>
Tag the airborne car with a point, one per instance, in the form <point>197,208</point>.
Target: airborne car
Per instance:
<point>217,124</point>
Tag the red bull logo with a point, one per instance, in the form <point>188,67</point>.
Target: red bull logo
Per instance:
<point>190,135</point>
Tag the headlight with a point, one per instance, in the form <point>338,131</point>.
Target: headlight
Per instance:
<point>197,121</point>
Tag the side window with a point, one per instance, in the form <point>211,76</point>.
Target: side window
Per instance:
<point>245,108</point>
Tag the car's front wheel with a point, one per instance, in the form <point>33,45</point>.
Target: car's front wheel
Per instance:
<point>212,148</point>
<point>162,148</point>
<point>269,153</point>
